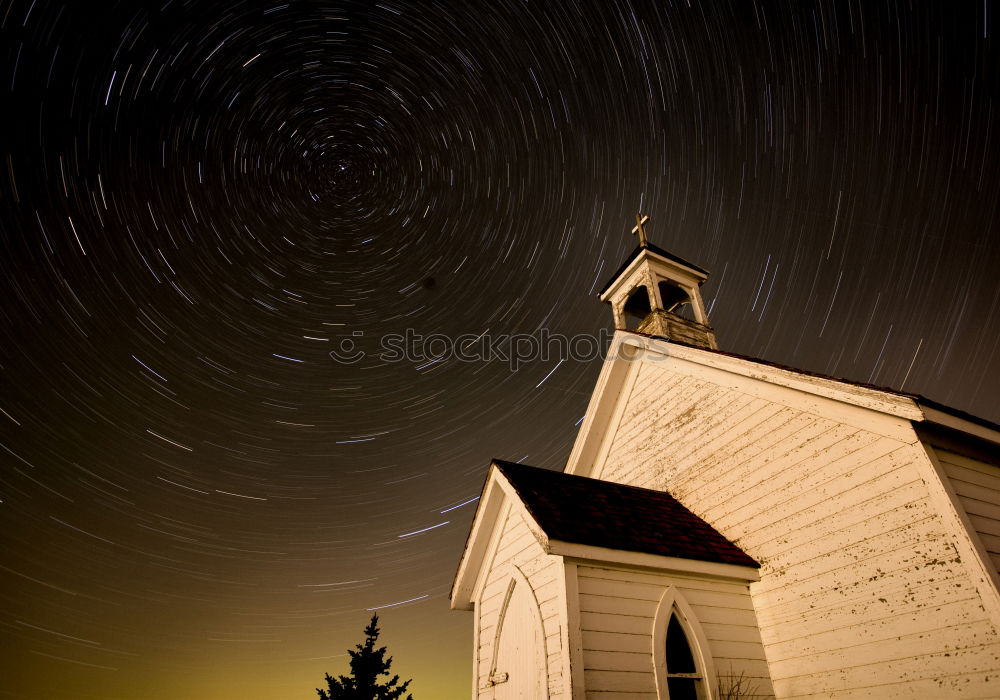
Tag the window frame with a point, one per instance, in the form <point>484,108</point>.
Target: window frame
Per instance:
<point>673,603</point>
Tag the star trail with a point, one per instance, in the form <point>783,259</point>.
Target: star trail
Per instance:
<point>213,214</point>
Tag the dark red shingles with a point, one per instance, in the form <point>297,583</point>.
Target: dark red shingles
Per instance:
<point>581,510</point>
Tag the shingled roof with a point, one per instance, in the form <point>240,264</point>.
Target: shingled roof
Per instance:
<point>580,510</point>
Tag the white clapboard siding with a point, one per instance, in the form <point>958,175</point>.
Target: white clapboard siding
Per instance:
<point>860,569</point>
<point>901,677</point>
<point>977,485</point>
<point>617,608</point>
<point>516,546</point>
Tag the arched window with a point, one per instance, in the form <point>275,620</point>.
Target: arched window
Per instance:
<point>683,679</point>
<point>682,664</point>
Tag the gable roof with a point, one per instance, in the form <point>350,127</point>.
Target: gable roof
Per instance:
<point>919,399</point>
<point>580,510</point>
<point>807,391</point>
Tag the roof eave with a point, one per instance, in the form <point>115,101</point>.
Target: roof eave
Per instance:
<point>629,350</point>
<point>959,420</point>
<point>490,503</point>
<point>879,399</point>
<point>497,492</point>
<point>666,258</point>
<point>905,404</point>
<point>657,562</point>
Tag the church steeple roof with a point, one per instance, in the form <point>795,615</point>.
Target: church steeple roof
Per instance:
<point>652,247</point>
<point>658,293</point>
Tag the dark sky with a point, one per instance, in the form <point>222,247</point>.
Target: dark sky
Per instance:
<point>200,200</point>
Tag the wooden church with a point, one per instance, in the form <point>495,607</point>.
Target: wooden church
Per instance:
<point>728,528</point>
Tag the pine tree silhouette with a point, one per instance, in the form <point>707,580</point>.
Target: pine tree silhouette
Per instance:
<point>367,664</point>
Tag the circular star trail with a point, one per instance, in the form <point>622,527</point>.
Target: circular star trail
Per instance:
<point>215,215</point>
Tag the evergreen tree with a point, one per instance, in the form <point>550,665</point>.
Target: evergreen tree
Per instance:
<point>367,664</point>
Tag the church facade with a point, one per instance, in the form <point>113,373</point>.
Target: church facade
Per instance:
<point>729,528</point>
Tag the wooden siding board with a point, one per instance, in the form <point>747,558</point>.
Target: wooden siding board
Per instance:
<point>765,496</point>
<point>619,681</point>
<point>970,463</point>
<point>988,526</point>
<point>729,649</point>
<point>656,579</point>
<point>979,635</point>
<point>726,430</point>
<point>636,662</point>
<point>617,609</point>
<point>718,631</point>
<point>838,514</point>
<point>892,494</point>
<point>614,641</point>
<point>823,527</point>
<point>991,542</point>
<point>517,546</point>
<point>614,622</point>
<point>867,579</point>
<point>980,507</point>
<point>769,440</point>
<point>612,591</point>
<point>901,543</point>
<point>870,607</point>
<point>612,605</point>
<point>971,471</point>
<point>886,629</point>
<point>889,679</point>
<point>782,622</point>
<point>977,485</point>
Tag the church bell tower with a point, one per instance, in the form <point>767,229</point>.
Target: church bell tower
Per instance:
<point>658,293</point>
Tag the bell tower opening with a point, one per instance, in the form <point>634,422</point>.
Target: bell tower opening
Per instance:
<point>658,293</point>
<point>676,300</point>
<point>636,307</point>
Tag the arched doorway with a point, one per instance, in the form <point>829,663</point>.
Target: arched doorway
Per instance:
<point>519,664</point>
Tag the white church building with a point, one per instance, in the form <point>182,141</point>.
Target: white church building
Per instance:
<point>728,528</point>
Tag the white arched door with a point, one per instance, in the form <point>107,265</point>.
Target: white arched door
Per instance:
<point>519,653</point>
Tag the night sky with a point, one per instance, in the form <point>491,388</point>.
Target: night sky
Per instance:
<point>200,200</point>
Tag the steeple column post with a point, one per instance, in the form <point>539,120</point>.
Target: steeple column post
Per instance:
<point>618,311</point>
<point>655,301</point>
<point>698,306</point>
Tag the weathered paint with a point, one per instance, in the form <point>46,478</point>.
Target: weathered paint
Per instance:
<point>646,272</point>
<point>977,485</point>
<point>879,545</point>
<point>519,668</point>
<point>516,553</point>
<point>863,590</point>
<point>617,609</point>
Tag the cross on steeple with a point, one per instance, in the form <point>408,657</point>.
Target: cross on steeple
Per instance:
<point>658,293</point>
<point>639,221</point>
